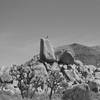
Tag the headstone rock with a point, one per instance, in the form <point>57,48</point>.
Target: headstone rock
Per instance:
<point>46,51</point>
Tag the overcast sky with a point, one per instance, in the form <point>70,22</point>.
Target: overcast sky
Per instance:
<point>24,22</point>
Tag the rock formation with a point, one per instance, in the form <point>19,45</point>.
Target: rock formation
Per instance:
<point>46,51</point>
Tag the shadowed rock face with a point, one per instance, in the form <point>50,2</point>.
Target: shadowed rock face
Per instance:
<point>66,58</point>
<point>94,85</point>
<point>78,92</point>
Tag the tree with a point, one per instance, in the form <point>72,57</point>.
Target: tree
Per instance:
<point>28,81</point>
<point>54,81</point>
<point>23,76</point>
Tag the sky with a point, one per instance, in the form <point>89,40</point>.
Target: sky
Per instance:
<point>24,22</point>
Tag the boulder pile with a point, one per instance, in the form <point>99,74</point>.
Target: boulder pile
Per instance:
<point>81,78</point>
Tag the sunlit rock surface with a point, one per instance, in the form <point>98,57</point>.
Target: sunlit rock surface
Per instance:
<point>46,51</point>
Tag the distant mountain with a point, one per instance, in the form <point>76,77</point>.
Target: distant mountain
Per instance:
<point>88,55</point>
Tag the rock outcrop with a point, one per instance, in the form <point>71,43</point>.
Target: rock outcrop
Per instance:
<point>46,51</point>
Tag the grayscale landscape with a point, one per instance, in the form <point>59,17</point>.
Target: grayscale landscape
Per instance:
<point>49,49</point>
